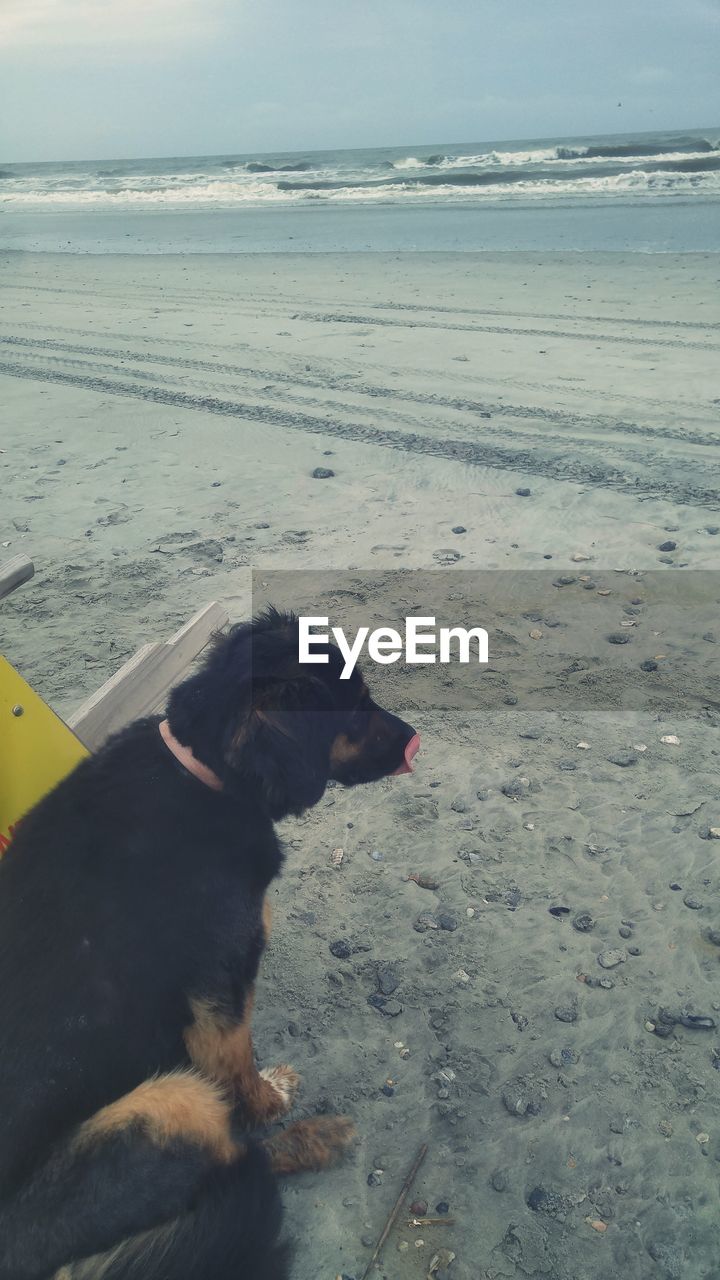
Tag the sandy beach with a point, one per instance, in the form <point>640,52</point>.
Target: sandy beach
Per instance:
<point>163,418</point>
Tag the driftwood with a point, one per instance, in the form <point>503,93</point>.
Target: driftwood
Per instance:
<point>395,1210</point>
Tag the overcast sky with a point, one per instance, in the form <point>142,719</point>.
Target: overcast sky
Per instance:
<point>96,79</point>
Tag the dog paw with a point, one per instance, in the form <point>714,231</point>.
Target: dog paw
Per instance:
<point>284,1082</point>
<point>312,1144</point>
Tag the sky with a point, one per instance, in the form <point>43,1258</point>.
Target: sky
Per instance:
<point>100,79</point>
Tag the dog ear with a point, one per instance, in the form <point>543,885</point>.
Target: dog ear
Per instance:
<point>285,743</point>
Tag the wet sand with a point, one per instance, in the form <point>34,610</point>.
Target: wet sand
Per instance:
<point>164,417</point>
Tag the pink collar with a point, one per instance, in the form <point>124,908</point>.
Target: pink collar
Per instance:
<point>187,759</point>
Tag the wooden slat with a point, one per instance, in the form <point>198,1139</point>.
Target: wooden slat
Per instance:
<point>140,686</point>
<point>14,572</point>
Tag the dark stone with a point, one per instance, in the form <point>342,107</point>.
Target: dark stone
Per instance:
<point>387,979</point>
<point>618,637</point>
<point>514,789</point>
<point>322,473</point>
<point>442,1206</point>
<point>459,528</point>
<point>565,580</point>
<point>341,949</point>
<point>523,493</point>
<point>566,1013</point>
<point>388,1090</point>
<point>584,922</point>
<point>447,920</point>
<point>649,665</point>
<point>624,759</point>
<point>667,546</point>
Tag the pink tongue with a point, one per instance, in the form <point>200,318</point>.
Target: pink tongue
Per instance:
<point>411,751</point>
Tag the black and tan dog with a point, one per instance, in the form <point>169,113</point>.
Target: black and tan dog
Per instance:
<point>132,921</point>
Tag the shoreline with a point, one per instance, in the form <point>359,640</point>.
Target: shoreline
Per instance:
<point>644,225</point>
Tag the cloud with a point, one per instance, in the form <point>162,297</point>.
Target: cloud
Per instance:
<point>109,24</point>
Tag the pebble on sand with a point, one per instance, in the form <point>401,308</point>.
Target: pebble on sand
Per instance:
<point>612,957</point>
<point>426,920</point>
<point>523,493</point>
<point>623,758</point>
<point>322,473</point>
<point>670,740</point>
<point>584,922</point>
<point>667,546</point>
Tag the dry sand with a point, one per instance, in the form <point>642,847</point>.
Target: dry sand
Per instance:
<point>163,418</point>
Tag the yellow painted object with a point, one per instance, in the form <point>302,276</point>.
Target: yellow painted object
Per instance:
<point>36,750</point>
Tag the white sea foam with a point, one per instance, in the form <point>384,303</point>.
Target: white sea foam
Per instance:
<point>197,191</point>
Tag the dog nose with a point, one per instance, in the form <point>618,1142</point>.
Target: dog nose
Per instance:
<point>411,750</point>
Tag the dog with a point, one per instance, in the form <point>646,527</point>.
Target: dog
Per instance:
<point>133,917</point>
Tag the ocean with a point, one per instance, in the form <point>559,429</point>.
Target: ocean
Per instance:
<point>645,192</point>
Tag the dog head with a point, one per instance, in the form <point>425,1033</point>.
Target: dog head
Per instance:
<point>256,714</point>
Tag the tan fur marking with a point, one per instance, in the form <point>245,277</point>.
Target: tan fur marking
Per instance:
<point>343,750</point>
<point>179,1105</point>
<point>136,1251</point>
<point>315,1144</point>
<point>223,1050</point>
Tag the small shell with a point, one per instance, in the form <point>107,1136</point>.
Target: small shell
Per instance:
<point>702,1138</point>
<point>583,746</point>
<point>603,593</point>
<point>529,826</point>
<point>423,882</point>
<point>336,857</point>
<point>640,746</point>
<point>578,557</point>
<point>535,634</point>
<point>670,740</point>
<point>440,1261</point>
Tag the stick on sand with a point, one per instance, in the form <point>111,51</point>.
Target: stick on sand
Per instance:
<point>395,1211</point>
